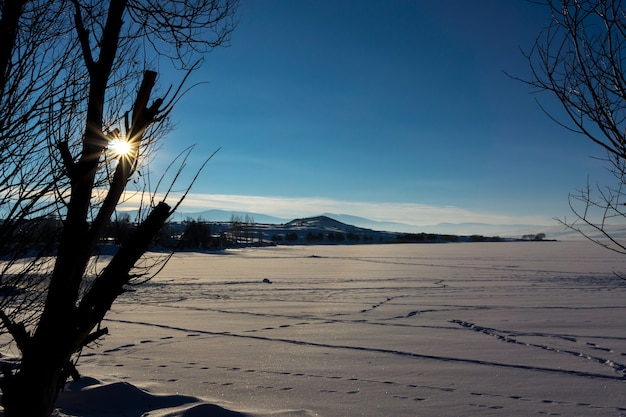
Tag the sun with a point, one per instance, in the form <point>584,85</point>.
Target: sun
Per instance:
<point>120,147</point>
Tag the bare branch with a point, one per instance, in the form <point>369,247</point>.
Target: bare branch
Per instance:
<point>578,59</point>
<point>68,73</point>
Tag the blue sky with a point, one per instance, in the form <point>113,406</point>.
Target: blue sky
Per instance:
<point>393,110</point>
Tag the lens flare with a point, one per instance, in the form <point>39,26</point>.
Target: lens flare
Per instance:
<point>120,147</point>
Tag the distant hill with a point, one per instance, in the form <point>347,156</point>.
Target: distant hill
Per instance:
<point>325,228</point>
<point>465,229</point>
<point>322,223</point>
<point>373,224</point>
<point>226,215</point>
<point>316,230</point>
<point>482,228</point>
<point>216,215</point>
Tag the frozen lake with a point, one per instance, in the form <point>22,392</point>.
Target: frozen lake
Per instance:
<point>467,329</point>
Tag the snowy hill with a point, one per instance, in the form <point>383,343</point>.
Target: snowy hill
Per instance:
<point>324,228</point>
<point>323,223</point>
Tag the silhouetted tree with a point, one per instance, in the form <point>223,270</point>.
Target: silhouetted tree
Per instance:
<point>291,237</point>
<point>236,229</point>
<point>120,229</point>
<point>197,234</point>
<point>477,238</point>
<point>449,238</point>
<point>248,228</point>
<point>314,237</point>
<point>76,76</point>
<point>579,60</point>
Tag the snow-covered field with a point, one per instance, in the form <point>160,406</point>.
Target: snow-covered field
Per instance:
<point>469,329</point>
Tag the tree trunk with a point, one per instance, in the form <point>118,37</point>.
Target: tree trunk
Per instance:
<point>33,390</point>
<point>49,339</point>
<point>9,23</point>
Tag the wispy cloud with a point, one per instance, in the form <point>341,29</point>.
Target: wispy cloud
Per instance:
<point>293,207</point>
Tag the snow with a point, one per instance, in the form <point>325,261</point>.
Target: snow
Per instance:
<point>460,329</point>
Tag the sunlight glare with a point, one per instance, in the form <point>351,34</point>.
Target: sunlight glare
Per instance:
<point>119,147</point>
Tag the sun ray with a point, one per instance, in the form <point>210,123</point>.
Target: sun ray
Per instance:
<point>120,147</point>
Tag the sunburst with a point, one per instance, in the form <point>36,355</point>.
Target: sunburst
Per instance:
<point>120,147</point>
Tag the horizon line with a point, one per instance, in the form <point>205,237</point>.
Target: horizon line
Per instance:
<point>412,214</point>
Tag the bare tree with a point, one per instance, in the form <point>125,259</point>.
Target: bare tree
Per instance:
<point>579,60</point>
<point>248,228</point>
<point>76,77</point>
<point>236,228</point>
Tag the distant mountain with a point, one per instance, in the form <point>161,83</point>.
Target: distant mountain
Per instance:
<point>324,223</point>
<point>319,229</point>
<point>215,215</point>
<point>561,232</point>
<point>461,229</point>
<point>504,230</point>
<point>373,224</point>
<point>466,229</point>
